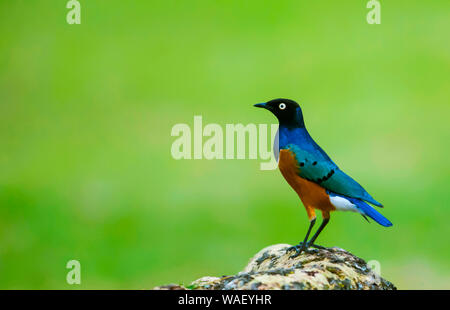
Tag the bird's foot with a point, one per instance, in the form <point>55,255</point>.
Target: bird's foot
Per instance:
<point>299,248</point>
<point>303,246</point>
<point>318,246</point>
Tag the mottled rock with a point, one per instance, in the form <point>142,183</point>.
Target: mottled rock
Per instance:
<point>272,268</point>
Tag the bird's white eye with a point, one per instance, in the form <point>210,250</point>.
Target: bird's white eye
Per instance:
<point>282,106</point>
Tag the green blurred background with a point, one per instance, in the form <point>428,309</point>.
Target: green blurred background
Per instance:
<point>86,113</point>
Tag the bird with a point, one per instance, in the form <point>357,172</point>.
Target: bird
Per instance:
<point>318,181</point>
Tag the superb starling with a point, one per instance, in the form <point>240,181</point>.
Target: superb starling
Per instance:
<point>318,181</point>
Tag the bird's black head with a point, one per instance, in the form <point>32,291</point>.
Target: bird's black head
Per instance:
<point>287,111</point>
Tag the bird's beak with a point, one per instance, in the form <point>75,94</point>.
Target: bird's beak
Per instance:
<point>261,105</point>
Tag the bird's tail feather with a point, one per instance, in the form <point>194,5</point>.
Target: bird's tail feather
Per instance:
<point>366,209</point>
<point>370,199</point>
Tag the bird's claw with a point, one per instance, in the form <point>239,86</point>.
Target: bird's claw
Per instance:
<point>318,246</point>
<point>299,248</point>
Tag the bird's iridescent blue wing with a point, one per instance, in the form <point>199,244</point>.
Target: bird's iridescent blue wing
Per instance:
<point>319,168</point>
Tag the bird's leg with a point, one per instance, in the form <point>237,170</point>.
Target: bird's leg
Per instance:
<point>321,227</point>
<point>302,245</point>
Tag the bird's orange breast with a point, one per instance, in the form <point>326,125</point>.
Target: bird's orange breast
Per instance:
<point>311,194</point>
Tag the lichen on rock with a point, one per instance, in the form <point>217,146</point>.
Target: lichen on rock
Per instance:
<point>273,268</point>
